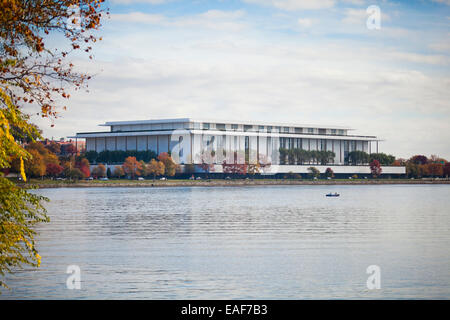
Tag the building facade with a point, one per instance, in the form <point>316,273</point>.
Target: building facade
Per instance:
<point>193,141</point>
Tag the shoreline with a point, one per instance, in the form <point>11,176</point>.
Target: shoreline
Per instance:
<point>48,184</point>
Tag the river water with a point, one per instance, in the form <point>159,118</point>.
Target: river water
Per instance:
<point>257,242</point>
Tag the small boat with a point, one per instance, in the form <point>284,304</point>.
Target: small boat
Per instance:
<point>332,194</point>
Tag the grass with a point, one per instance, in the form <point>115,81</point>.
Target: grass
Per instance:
<point>48,183</point>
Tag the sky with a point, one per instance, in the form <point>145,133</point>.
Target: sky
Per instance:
<point>302,61</point>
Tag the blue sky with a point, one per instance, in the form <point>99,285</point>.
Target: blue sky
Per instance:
<point>283,60</point>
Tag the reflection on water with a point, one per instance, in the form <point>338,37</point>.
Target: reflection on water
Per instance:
<point>277,242</point>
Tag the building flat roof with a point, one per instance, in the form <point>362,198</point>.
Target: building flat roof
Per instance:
<point>243,122</point>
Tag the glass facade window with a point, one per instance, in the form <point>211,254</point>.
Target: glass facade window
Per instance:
<point>323,144</point>
<point>298,130</point>
<point>247,128</point>
<point>220,126</point>
<point>310,130</point>
<point>333,131</point>
<point>341,132</point>
<point>234,126</point>
<point>247,149</point>
<point>322,131</point>
<point>286,129</point>
<point>206,126</point>
<point>269,128</point>
<point>261,128</point>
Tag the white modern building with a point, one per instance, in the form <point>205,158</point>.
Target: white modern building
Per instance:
<point>194,141</point>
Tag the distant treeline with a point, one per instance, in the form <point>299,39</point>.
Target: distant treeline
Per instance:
<point>300,156</point>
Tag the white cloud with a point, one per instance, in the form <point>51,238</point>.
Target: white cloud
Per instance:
<point>420,58</point>
<point>359,16</point>
<point>293,5</point>
<point>305,22</point>
<point>139,17</point>
<point>443,45</point>
<point>212,19</point>
<point>128,2</point>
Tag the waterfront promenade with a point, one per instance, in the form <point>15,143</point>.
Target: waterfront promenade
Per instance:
<point>224,182</point>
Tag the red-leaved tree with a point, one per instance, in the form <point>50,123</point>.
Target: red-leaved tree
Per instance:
<point>54,169</point>
<point>375,168</point>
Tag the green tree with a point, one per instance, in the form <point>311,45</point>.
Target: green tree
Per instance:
<point>382,158</point>
<point>20,210</point>
<point>313,172</point>
<point>358,157</point>
<point>33,74</point>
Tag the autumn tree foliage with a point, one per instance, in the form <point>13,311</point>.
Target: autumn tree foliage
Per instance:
<point>419,159</point>
<point>99,171</point>
<point>435,169</point>
<point>329,173</point>
<point>37,75</point>
<point>54,169</point>
<point>375,168</point>
<point>83,165</point>
<point>155,168</point>
<point>28,66</point>
<point>446,169</point>
<point>169,165</point>
<point>118,172</point>
<point>132,167</point>
<point>253,169</point>
<point>234,168</point>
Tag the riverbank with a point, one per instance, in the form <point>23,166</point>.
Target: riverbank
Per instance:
<point>221,182</point>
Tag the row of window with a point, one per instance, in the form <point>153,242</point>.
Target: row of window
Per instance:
<point>221,126</point>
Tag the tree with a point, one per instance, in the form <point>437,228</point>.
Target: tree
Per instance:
<point>358,157</point>
<point>155,168</point>
<point>412,170</point>
<point>54,147</point>
<point>375,168</point>
<point>234,168</point>
<point>253,169</point>
<point>83,165</point>
<point>118,172</point>
<point>69,149</point>
<point>382,158</point>
<point>99,171</point>
<point>283,156</point>
<point>419,159</point>
<point>446,170</point>
<point>35,165</point>
<point>91,156</point>
<point>435,169</point>
<point>75,174</point>
<point>329,173</point>
<point>313,172</point>
<point>32,74</point>
<point>54,170</point>
<point>132,167</point>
